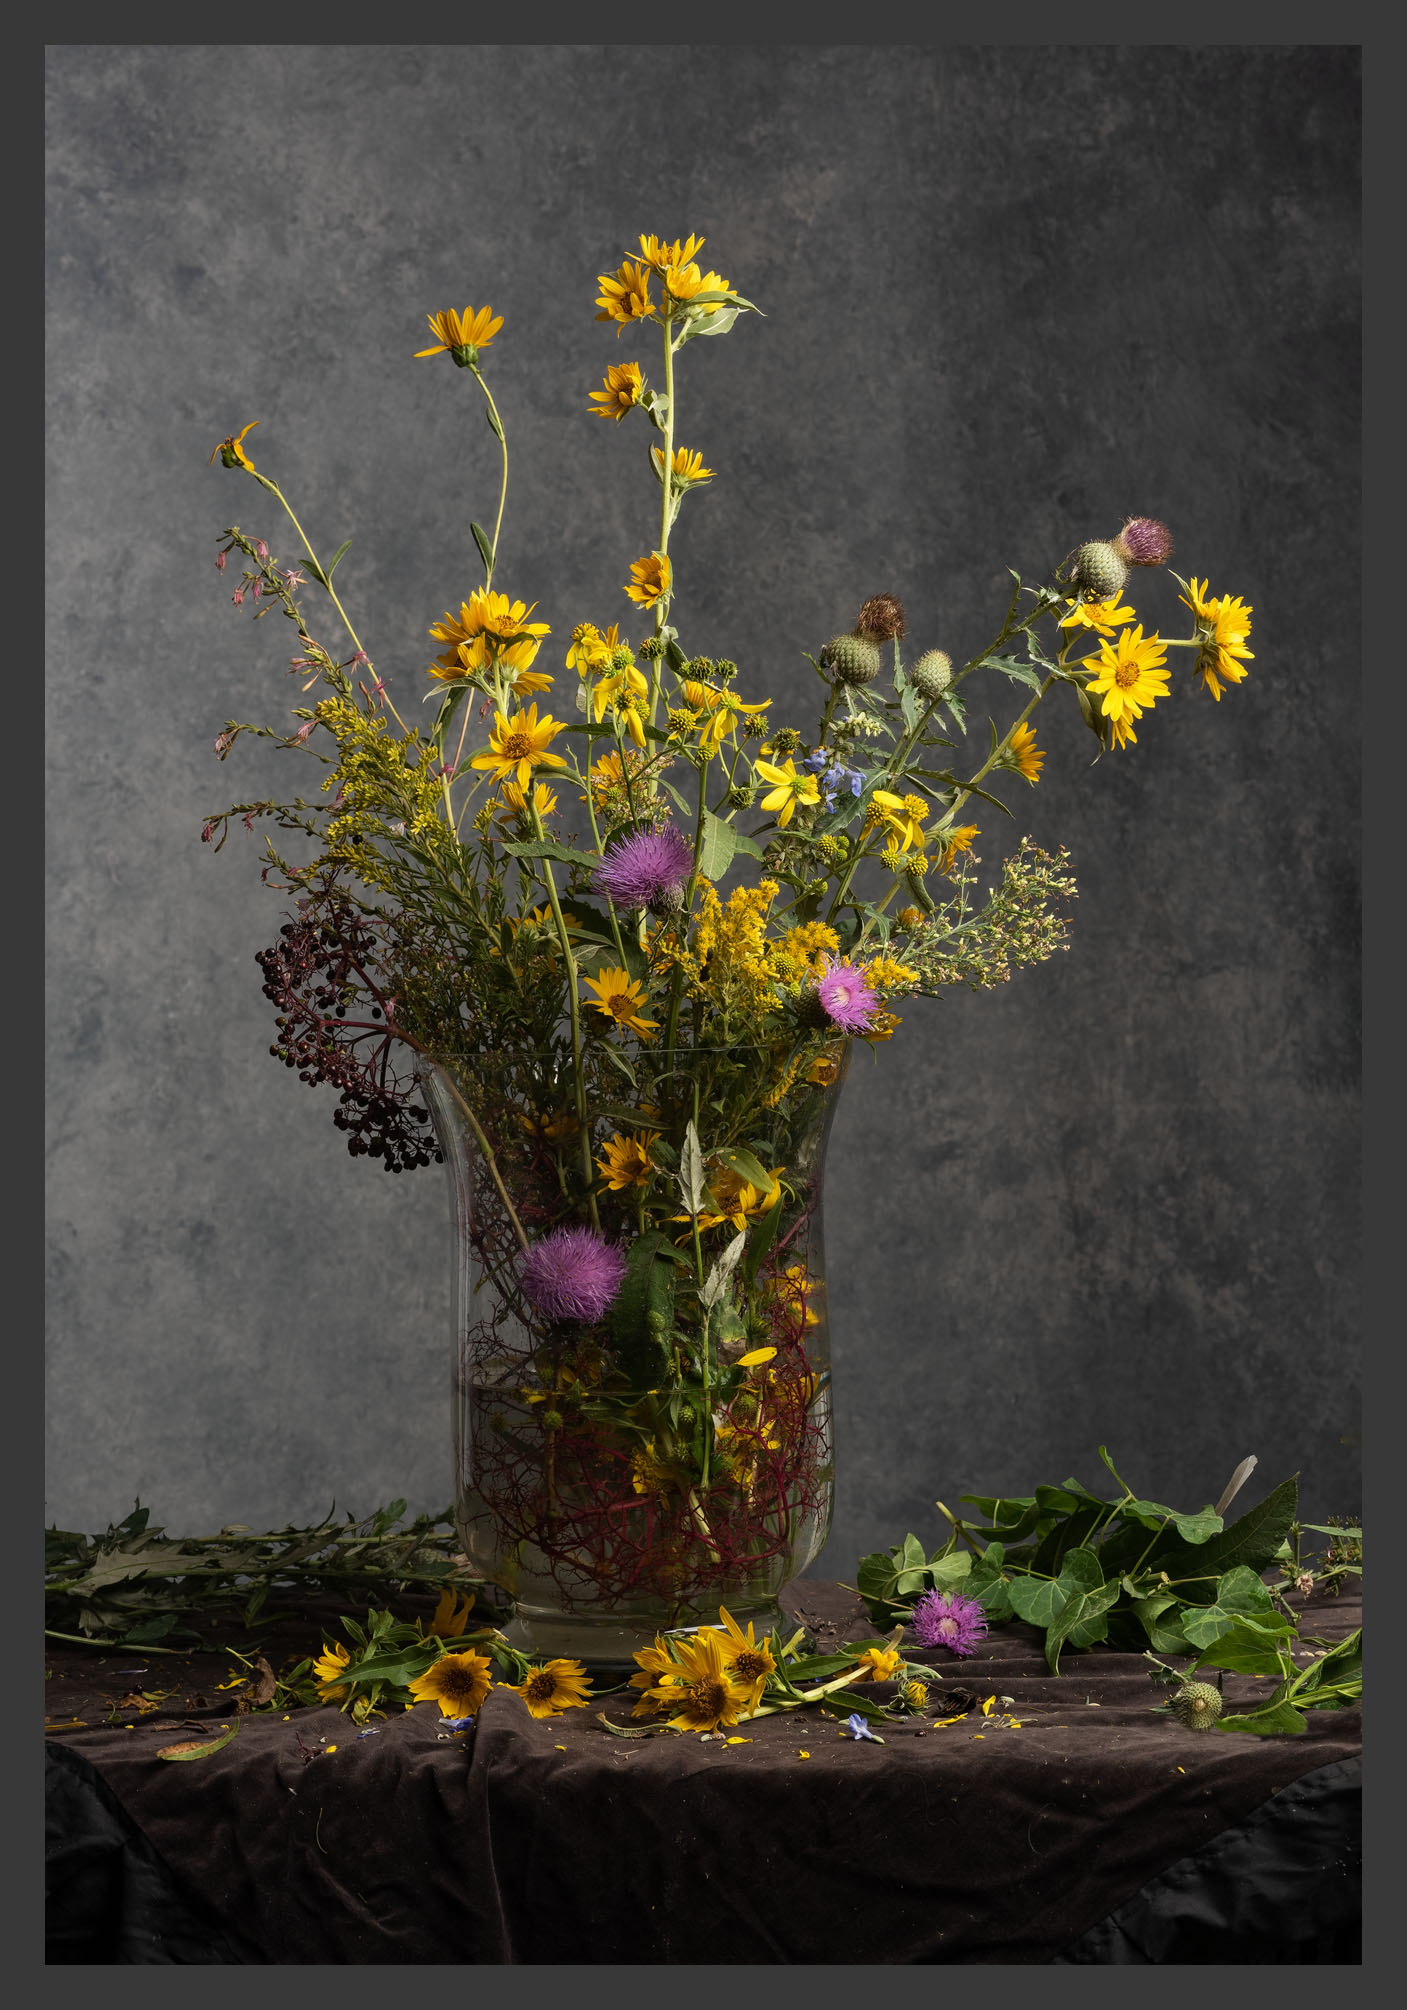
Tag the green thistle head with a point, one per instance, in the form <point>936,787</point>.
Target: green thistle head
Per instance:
<point>1196,1705</point>
<point>852,659</point>
<point>932,674</point>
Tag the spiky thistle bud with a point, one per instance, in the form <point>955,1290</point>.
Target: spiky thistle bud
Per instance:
<point>552,1420</point>
<point>1098,570</point>
<point>851,659</point>
<point>1144,541</point>
<point>811,1012</point>
<point>1196,1705</point>
<point>699,666</point>
<point>725,668</point>
<point>652,647</point>
<point>740,796</point>
<point>667,903</point>
<point>881,619</point>
<point>786,741</point>
<point>932,674</point>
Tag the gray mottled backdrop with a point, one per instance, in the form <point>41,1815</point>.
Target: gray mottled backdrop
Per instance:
<point>1013,294</point>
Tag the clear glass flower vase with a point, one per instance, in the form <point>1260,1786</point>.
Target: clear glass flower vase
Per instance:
<point>626,1472</point>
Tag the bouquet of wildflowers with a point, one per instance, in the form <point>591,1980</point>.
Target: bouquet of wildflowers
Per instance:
<point>618,926</point>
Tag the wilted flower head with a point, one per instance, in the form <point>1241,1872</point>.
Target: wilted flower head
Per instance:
<point>1144,541</point>
<point>943,1619</point>
<point>845,997</point>
<point>645,866</point>
<point>572,1273</point>
<point>881,618</point>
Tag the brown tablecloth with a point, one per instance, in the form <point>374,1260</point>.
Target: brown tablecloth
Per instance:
<point>553,1841</point>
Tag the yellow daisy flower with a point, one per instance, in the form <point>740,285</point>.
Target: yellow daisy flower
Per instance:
<point>687,465</point>
<point>703,1694</point>
<point>736,1199</point>
<point>904,815</point>
<point>658,253</point>
<point>648,1476</point>
<point>330,1664</point>
<point>878,1664</point>
<point>1222,628</point>
<point>470,330</point>
<point>959,841</point>
<point>625,295</point>
<point>658,1668</point>
<point>725,712</point>
<point>1129,677</point>
<point>1103,616</point>
<point>231,453</point>
<point>650,579</point>
<point>457,1682</point>
<point>624,388</point>
<point>490,630</point>
<point>786,788</point>
<point>627,1161</point>
<point>822,1071</point>
<point>1023,755</point>
<point>520,744</point>
<point>554,1687</point>
<point>549,1127</point>
<point>618,687</point>
<point>621,1001</point>
<point>746,1662</point>
<point>794,1285</point>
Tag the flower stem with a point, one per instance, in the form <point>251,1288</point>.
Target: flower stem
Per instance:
<point>492,560</point>
<point>579,1079</point>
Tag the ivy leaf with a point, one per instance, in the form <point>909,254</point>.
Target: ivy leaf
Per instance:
<point>1191,1527</point>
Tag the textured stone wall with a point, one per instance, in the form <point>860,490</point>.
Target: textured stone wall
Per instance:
<point>1012,295</point>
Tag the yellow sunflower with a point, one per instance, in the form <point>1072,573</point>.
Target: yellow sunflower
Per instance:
<point>724,710</point>
<point>687,466</point>
<point>1103,616</point>
<point>515,800</point>
<point>658,253</point>
<point>457,1682</point>
<point>1222,628</point>
<point>552,1688</point>
<point>747,1662</point>
<point>625,295</point>
<point>627,1161</point>
<point>330,1664</point>
<point>619,688</point>
<point>624,387</point>
<point>682,282</point>
<point>703,1694</point>
<point>786,788</point>
<point>959,841</point>
<point>822,1071</point>
<point>587,649</point>
<point>232,454</point>
<point>1129,676</point>
<point>470,330</point>
<point>650,579</point>
<point>878,1664</point>
<point>491,631</point>
<point>520,744</point>
<point>451,1615</point>
<point>621,1001</point>
<point>736,1200</point>
<point>658,1668</point>
<point>1023,755</point>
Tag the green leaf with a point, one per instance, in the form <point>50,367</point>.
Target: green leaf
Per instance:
<point>337,558</point>
<point>1193,1528</point>
<point>1274,1720</point>
<point>1085,1598</point>
<point>818,1667</point>
<point>481,539</point>
<point>747,1167</point>
<point>1163,1627</point>
<point>1342,1665</point>
<point>1222,1640</point>
<point>1253,1540</point>
<point>1038,1600</point>
<point>719,845</point>
<point>1020,673</point>
<point>310,564</point>
<point>494,426</point>
<point>550,848</point>
<point>874,1578</point>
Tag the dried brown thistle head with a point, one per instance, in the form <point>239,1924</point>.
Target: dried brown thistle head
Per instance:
<point>881,618</point>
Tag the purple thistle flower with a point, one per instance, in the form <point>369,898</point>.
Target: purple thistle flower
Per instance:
<point>845,997</point>
<point>572,1274</point>
<point>645,867</point>
<point>945,1620</point>
<point>1144,541</point>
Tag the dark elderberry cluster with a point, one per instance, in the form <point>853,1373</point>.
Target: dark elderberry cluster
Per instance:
<point>318,976</point>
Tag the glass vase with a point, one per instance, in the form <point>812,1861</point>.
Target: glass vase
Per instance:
<point>625,1473</point>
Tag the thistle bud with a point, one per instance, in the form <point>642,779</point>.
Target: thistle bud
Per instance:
<point>932,674</point>
<point>667,903</point>
<point>652,648</point>
<point>811,1012</point>
<point>1099,570</point>
<point>552,1420</point>
<point>881,619</point>
<point>1144,541</point>
<point>1196,1705</point>
<point>740,796</point>
<point>851,659</point>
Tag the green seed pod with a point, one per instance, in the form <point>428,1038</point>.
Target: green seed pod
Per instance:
<point>1197,1705</point>
<point>740,796</point>
<point>852,659</point>
<point>932,674</point>
<point>1099,571</point>
<point>552,1420</point>
<point>652,647</point>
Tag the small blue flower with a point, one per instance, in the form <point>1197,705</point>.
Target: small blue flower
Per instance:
<point>858,1728</point>
<point>832,776</point>
<point>452,1726</point>
<point>371,1731</point>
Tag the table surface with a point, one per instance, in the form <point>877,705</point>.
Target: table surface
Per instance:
<point>554,1841</point>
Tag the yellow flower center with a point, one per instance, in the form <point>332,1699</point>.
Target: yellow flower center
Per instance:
<point>540,1688</point>
<point>916,807</point>
<point>709,1697</point>
<point>621,1004</point>
<point>456,1684</point>
<point>748,1667</point>
<point>518,745</point>
<point>1125,675</point>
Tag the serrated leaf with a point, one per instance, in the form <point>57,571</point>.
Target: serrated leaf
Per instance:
<point>1038,1600</point>
<point>1276,1719</point>
<point>1252,1540</point>
<point>1011,666</point>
